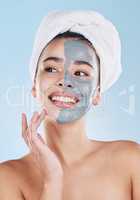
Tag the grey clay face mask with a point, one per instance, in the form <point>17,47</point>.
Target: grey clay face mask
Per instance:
<point>76,85</point>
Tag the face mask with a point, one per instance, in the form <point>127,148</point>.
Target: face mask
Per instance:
<point>83,87</point>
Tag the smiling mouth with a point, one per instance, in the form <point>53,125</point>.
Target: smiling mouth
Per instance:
<point>63,101</point>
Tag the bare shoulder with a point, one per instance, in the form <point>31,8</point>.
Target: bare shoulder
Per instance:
<point>17,176</point>
<point>13,168</point>
<point>125,151</point>
<point>124,146</point>
<point>9,182</point>
<point>123,143</point>
<point>119,151</point>
<point>124,157</point>
<point>7,169</point>
<point>18,168</point>
<point>118,146</point>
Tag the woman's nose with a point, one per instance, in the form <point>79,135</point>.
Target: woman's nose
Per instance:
<point>64,84</point>
<point>65,81</point>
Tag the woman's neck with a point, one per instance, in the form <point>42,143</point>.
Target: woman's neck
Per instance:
<point>68,141</point>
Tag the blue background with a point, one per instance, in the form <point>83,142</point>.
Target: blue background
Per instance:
<point>118,114</point>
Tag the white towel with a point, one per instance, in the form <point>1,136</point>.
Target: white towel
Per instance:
<point>95,27</point>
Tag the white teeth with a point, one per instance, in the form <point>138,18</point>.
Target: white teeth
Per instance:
<point>64,99</point>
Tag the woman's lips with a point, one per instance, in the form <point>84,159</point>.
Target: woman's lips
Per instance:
<point>64,94</point>
<point>63,104</point>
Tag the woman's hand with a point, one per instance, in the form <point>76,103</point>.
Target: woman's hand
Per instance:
<point>47,161</point>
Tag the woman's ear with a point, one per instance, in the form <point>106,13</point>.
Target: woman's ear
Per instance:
<point>97,97</point>
<point>33,91</point>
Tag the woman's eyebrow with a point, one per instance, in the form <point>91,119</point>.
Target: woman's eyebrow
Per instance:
<point>60,60</point>
<point>82,62</point>
<point>53,58</point>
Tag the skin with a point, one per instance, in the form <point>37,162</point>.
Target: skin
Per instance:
<point>83,85</point>
<point>87,169</point>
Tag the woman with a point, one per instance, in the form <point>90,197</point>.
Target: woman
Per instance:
<point>68,76</point>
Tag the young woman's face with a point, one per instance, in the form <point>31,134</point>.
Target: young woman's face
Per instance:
<point>67,67</point>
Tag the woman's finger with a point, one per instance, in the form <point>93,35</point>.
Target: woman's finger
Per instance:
<point>33,140</point>
<point>25,131</point>
<point>35,124</point>
<point>24,128</point>
<point>33,120</point>
<point>24,124</point>
<point>41,138</point>
<point>38,121</point>
<point>35,116</point>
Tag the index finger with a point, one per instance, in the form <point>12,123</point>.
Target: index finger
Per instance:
<point>35,124</point>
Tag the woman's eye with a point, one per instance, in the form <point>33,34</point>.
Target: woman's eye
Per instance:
<point>49,69</point>
<point>78,73</point>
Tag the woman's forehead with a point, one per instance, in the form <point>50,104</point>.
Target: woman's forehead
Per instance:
<point>71,48</point>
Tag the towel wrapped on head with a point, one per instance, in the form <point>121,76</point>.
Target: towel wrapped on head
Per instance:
<point>93,26</point>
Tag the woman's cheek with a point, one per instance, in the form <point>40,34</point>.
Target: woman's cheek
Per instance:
<point>44,84</point>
